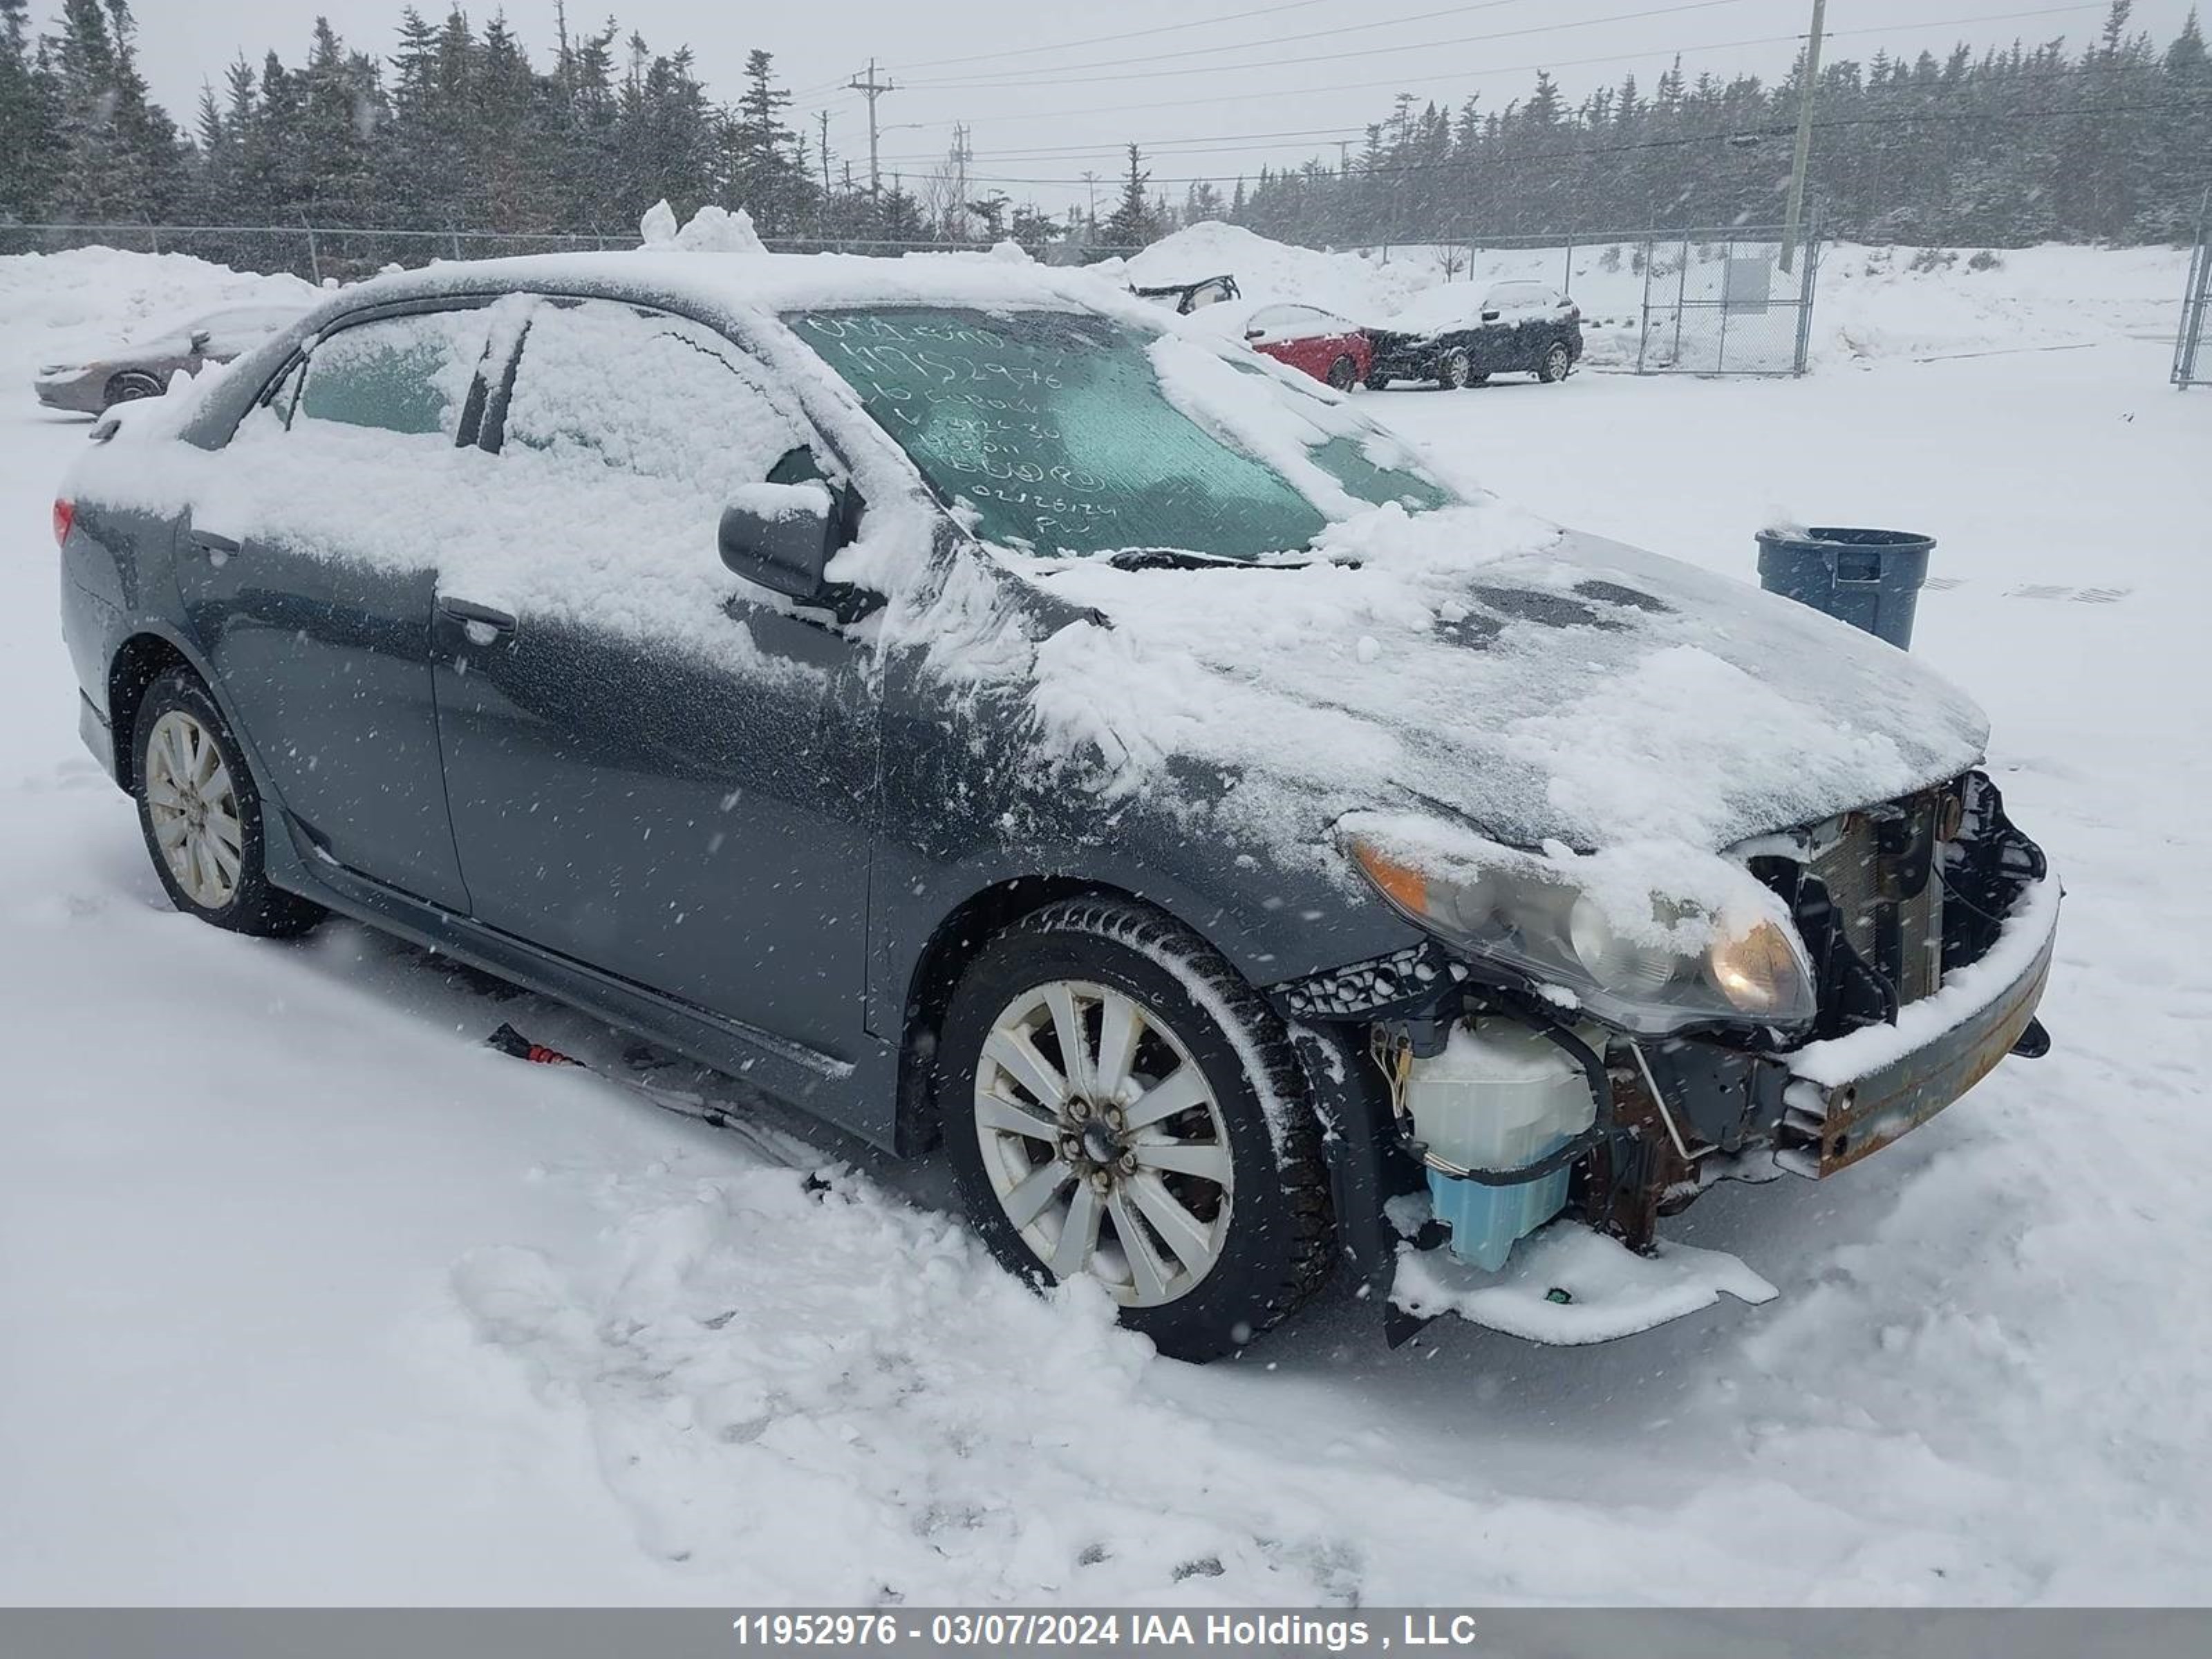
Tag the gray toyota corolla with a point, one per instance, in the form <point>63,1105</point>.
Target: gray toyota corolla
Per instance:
<point>954,698</point>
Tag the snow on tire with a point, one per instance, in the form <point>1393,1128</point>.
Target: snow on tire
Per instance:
<point>1117,1102</point>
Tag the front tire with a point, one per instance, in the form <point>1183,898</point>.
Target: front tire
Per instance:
<point>128,388</point>
<point>1095,1080</point>
<point>201,814</point>
<point>1344,374</point>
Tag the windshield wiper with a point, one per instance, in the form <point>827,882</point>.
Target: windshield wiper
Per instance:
<point>1173,558</point>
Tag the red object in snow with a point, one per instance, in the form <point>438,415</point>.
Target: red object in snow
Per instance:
<point>1307,337</point>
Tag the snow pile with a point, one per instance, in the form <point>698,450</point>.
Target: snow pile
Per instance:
<point>1353,285</point>
<point>710,230</point>
<point>74,307</point>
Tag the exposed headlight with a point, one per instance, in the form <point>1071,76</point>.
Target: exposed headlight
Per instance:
<point>1647,967</point>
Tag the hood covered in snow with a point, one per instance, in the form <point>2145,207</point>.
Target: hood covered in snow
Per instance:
<point>1540,687</point>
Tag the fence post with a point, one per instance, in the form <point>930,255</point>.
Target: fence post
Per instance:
<point>314,258</point>
<point>455,232</point>
<point>1681,295</point>
<point>1720,351</point>
<point>2188,339</point>
<point>1567,275</point>
<point>1808,281</point>
<point>1643,327</point>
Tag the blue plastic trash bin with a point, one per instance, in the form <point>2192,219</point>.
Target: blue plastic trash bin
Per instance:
<point>1868,578</point>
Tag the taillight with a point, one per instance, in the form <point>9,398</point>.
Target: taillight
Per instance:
<point>65,516</point>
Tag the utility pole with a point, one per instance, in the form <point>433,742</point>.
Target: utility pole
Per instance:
<point>956,212</point>
<point>874,89</point>
<point>1090,179</point>
<point>1805,95</point>
<point>822,120</point>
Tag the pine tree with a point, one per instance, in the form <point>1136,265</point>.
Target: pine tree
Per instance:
<point>29,127</point>
<point>117,151</point>
<point>1132,223</point>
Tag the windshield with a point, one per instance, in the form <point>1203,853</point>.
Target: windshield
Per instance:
<point>1053,431</point>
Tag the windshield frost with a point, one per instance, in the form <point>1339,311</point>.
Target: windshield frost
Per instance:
<point>1052,429</point>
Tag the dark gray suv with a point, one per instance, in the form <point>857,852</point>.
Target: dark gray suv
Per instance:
<point>950,696</point>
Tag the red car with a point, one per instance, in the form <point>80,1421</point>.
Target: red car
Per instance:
<point>1305,336</point>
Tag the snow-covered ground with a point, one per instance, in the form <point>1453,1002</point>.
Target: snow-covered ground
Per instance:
<point>309,1297</point>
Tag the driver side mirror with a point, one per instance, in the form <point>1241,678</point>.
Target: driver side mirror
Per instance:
<point>201,339</point>
<point>1490,316</point>
<point>780,537</point>
<point>1255,333</point>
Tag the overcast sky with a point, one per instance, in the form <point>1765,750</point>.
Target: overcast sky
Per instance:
<point>1210,87</point>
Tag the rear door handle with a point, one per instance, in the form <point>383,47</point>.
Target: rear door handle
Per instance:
<point>217,549</point>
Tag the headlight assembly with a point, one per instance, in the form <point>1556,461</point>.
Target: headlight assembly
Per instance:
<point>1634,954</point>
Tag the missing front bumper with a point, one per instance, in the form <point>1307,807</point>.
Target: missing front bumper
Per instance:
<point>1851,1097</point>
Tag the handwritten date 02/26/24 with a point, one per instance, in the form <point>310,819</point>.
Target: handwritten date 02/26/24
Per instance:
<point>1004,1631</point>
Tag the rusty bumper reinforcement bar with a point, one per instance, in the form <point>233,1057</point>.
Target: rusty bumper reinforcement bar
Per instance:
<point>1854,1119</point>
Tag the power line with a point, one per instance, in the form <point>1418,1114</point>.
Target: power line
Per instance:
<point>1276,40</point>
<point>1363,52</point>
<point>1461,76</point>
<point>1400,80</point>
<point>1106,39</point>
<point>1202,143</point>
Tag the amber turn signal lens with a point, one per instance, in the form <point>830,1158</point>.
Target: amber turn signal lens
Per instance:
<point>1404,885</point>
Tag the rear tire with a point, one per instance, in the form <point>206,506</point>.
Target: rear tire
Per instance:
<point>1344,374</point>
<point>1209,1223</point>
<point>201,814</point>
<point>1558,363</point>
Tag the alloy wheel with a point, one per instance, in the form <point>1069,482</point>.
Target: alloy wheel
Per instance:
<point>193,806</point>
<point>1104,1141</point>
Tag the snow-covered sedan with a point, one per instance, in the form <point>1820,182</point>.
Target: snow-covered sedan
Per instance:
<point>143,369</point>
<point>978,708</point>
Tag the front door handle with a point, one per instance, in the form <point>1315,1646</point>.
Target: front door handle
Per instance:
<point>217,550</point>
<point>479,618</point>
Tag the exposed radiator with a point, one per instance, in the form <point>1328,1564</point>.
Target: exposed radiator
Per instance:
<point>1881,872</point>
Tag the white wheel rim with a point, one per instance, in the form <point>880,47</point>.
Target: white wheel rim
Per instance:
<point>193,806</point>
<point>1558,361</point>
<point>1104,1141</point>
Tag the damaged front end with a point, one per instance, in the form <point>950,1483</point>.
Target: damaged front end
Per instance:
<point>1506,1150</point>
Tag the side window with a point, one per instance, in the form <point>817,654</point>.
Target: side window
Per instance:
<point>604,388</point>
<point>407,374</point>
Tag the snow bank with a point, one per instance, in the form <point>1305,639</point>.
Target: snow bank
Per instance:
<point>66,307</point>
<point>1352,284</point>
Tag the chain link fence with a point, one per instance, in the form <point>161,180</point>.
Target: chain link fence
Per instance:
<point>1691,301</point>
<point>1733,302</point>
<point>321,252</point>
<point>2192,365</point>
